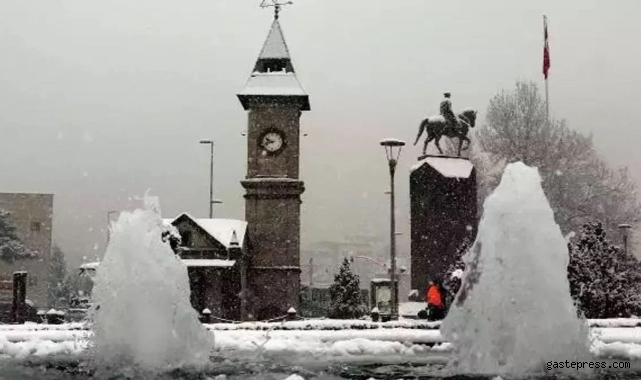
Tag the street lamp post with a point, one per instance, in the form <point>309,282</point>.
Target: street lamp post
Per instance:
<point>393,151</point>
<point>212,201</point>
<point>624,227</point>
<point>108,223</point>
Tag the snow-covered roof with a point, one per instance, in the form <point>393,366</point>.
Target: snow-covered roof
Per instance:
<point>273,83</point>
<point>92,265</point>
<point>55,312</point>
<point>208,263</point>
<point>274,75</point>
<point>221,229</point>
<point>450,167</point>
<point>275,46</point>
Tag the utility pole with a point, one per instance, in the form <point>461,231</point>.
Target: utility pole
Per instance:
<point>211,176</point>
<point>212,201</point>
<point>393,151</point>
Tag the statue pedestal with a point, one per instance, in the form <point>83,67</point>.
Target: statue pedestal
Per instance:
<point>443,213</point>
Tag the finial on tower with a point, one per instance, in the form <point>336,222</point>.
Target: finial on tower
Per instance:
<point>276,4</point>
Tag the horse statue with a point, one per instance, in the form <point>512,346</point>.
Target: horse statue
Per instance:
<point>437,127</point>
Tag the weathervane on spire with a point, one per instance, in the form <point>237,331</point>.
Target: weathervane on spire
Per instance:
<point>276,4</point>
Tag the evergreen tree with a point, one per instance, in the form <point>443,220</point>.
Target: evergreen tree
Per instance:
<point>604,280</point>
<point>11,247</point>
<point>59,288</point>
<point>454,273</point>
<point>345,294</point>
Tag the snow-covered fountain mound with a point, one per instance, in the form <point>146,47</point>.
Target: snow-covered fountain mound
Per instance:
<point>144,317</point>
<point>514,312</point>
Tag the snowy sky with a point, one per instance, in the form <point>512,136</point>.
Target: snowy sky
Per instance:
<point>102,100</point>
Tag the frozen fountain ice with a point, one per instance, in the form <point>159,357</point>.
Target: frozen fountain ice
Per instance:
<point>514,312</point>
<point>144,317</point>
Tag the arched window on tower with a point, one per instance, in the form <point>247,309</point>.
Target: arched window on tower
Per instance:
<point>273,65</point>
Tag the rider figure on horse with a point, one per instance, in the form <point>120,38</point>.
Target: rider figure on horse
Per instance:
<point>447,113</point>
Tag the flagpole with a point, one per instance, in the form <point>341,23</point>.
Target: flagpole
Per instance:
<point>547,99</point>
<point>547,92</point>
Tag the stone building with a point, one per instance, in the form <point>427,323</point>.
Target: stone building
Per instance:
<point>274,101</point>
<point>213,265</point>
<point>32,215</point>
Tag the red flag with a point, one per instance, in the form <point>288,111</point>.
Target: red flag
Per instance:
<point>546,48</point>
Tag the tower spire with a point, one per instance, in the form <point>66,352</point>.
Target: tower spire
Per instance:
<point>273,78</point>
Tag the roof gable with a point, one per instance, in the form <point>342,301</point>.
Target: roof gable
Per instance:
<point>221,230</point>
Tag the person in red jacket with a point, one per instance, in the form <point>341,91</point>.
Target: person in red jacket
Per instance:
<point>435,302</point>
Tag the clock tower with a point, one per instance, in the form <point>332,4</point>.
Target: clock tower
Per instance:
<point>274,100</point>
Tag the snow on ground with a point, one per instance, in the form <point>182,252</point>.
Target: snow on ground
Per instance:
<point>42,335</point>
<point>315,339</point>
<point>37,347</point>
<point>30,326</point>
<point>615,322</point>
<point>328,343</point>
<point>326,324</point>
<point>616,350</point>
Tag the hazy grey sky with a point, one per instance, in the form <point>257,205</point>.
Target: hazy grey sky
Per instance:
<point>101,100</point>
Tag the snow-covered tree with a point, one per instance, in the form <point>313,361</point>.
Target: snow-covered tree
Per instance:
<point>11,247</point>
<point>578,183</point>
<point>345,294</point>
<point>454,274</point>
<point>59,286</point>
<point>604,280</point>
<point>171,235</point>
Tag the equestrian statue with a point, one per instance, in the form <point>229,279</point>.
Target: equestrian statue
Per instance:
<point>447,124</point>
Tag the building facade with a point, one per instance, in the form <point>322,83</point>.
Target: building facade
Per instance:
<point>32,215</point>
<point>213,265</point>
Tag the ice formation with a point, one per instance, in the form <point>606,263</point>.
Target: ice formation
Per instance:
<point>144,316</point>
<point>514,312</point>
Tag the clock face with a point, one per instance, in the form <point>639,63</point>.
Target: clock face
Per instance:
<point>272,142</point>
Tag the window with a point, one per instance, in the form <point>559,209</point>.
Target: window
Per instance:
<point>35,226</point>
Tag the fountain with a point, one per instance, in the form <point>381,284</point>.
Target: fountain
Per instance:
<point>512,315</point>
<point>514,312</point>
<point>144,318</point>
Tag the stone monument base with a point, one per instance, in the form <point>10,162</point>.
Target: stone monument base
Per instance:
<point>443,212</point>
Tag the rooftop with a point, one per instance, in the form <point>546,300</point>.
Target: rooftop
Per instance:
<point>220,229</point>
<point>450,167</point>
